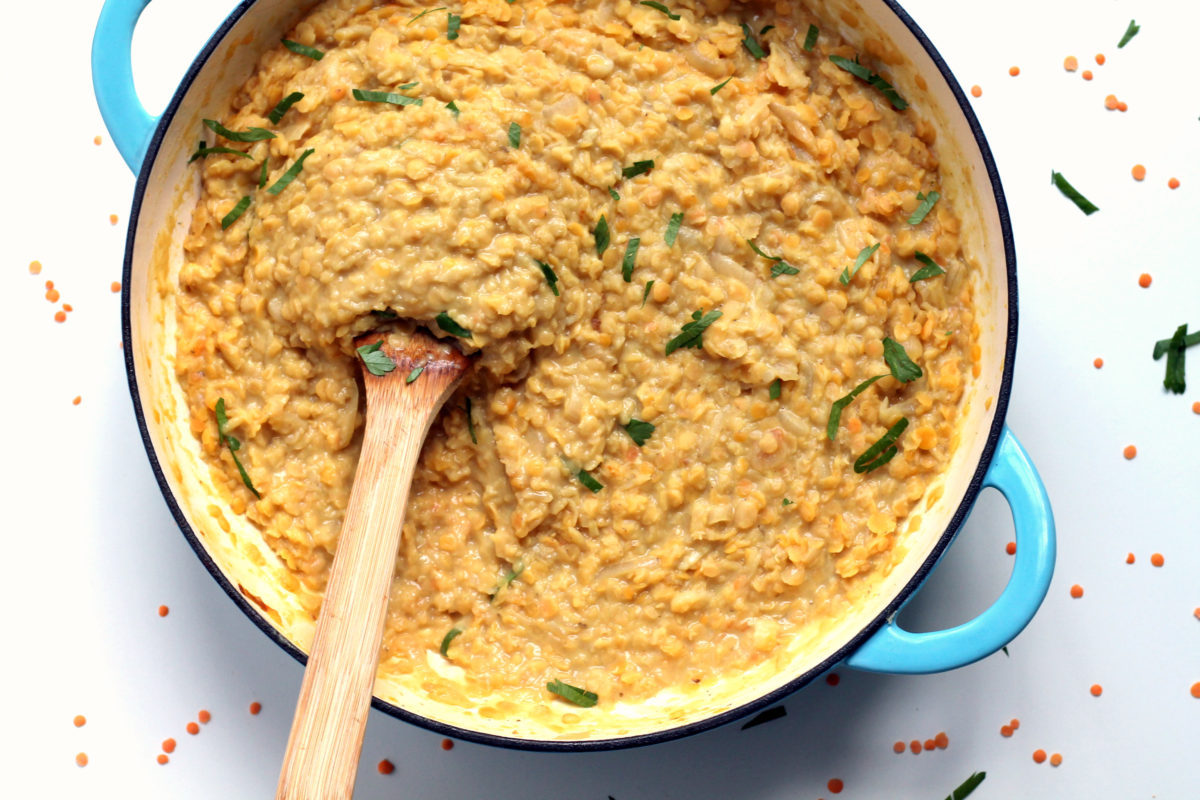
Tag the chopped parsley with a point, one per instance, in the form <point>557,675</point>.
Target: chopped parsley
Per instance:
<point>587,480</point>
<point>514,136</point>
<point>203,151</point>
<point>1176,379</point>
<point>453,108</point>
<point>673,228</point>
<point>969,785</point>
<point>863,255</point>
<point>903,368</point>
<point>291,174</point>
<point>788,502</point>
<point>835,411</point>
<point>282,107</point>
<point>551,277</point>
<point>416,373</point>
<point>775,389</point>
<point>508,578</point>
<point>925,203</point>
<point>810,39</point>
<point>580,697</point>
<point>452,22</point>
<point>1072,194</point>
<point>601,234</point>
<point>646,291</point>
<point>751,44</point>
<point>262,173</point>
<point>883,450</point>
<point>638,168</point>
<point>233,444</point>
<point>249,135</point>
<point>862,73</point>
<point>427,11</point>
<point>447,323</point>
<point>303,50</point>
<point>235,212</point>
<point>470,421</point>
<point>377,362</point>
<point>692,334</point>
<point>1130,32</point>
<point>720,85</point>
<point>659,7</point>
<point>613,193</point>
<point>930,270</point>
<point>766,28</point>
<point>450,636</point>
<point>780,267</point>
<point>630,259</point>
<point>638,430</point>
<point>393,98</point>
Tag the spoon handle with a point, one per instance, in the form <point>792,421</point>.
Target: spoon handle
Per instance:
<point>327,731</point>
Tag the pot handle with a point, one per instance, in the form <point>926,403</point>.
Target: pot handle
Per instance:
<point>127,120</point>
<point>895,650</point>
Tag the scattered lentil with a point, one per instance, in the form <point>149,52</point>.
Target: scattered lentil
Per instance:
<point>52,294</point>
<point>1139,172</point>
<point>1087,74</point>
<point>78,399</point>
<point>1144,280</point>
<point>163,611</point>
<point>1100,59</point>
<point>1196,407</point>
<point>255,707</point>
<point>1130,452</point>
<point>35,267</point>
<point>1097,690</point>
<point>168,745</point>
<point>81,759</point>
<point>1173,183</point>
<point>1011,548</point>
<point>60,316</point>
<point>1157,559</point>
<point>1111,102</point>
<point>1077,591</point>
<point>835,785</point>
<point>204,716</point>
<point>915,746</point>
<point>80,720</point>
<point>447,744</point>
<point>1196,613</point>
<point>976,91</point>
<point>386,767</point>
<point>1014,723</point>
<point>1129,559</point>
<point>98,141</point>
<point>1070,63</point>
<point>1122,106</point>
<point>898,747</point>
<point>833,679</point>
<point>112,219</point>
<point>1056,759</point>
<point>1196,689</point>
<point>162,758</point>
<point>1098,363</point>
<point>1039,755</point>
<point>1014,71</point>
<point>67,307</point>
<point>1006,731</point>
<point>193,728</point>
<point>116,287</point>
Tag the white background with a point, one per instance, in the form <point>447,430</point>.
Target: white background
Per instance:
<point>91,552</point>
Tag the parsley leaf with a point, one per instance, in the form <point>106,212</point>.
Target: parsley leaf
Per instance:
<point>967,786</point>
<point>646,291</point>
<point>450,636</point>
<point>580,697</point>
<point>810,40</point>
<point>601,234</point>
<point>720,85</point>
<point>452,22</point>
<point>303,50</point>
<point>930,270</point>
<point>262,173</point>
<point>235,212</point>
<point>775,389</point>
<point>514,136</point>
<point>659,7</point>
<point>233,444</point>
<point>788,502</point>
<point>692,333</point>
<point>508,578</point>
<point>613,193</point>
<point>883,450</point>
<point>862,73</point>
<point>863,255</point>
<point>630,259</point>
<point>902,367</point>
<point>470,422</point>
<point>780,267</point>
<point>1130,32</point>
<point>638,168</point>
<point>751,44</point>
<point>453,109</point>
<point>203,151</point>
<point>835,411</point>
<point>392,98</point>
<point>673,228</point>
<point>1072,194</point>
<point>925,204</point>
<point>587,480</point>
<point>447,323</point>
<point>377,362</point>
<point>1176,379</point>
<point>291,174</point>
<point>248,135</point>
<point>282,107</point>
<point>416,373</point>
<point>551,278</point>
<point>638,430</point>
<point>427,11</point>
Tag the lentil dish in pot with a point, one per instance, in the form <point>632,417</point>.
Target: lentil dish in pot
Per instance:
<point>678,239</point>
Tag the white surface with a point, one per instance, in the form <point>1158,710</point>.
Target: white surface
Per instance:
<point>91,551</point>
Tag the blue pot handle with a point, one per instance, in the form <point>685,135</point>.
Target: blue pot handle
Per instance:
<point>127,120</point>
<point>895,650</point>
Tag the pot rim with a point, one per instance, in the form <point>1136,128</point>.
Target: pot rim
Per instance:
<point>761,702</point>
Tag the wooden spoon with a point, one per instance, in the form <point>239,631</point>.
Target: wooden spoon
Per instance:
<point>327,732</point>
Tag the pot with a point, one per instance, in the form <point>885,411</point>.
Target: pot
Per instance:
<point>988,454</point>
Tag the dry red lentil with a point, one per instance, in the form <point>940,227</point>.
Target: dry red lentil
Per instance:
<point>35,267</point>
<point>1070,63</point>
<point>116,287</point>
<point>898,747</point>
<point>81,759</point>
<point>1014,723</point>
<point>255,707</point>
<point>1173,183</point>
<point>1139,172</point>
<point>1014,71</point>
<point>1157,559</point>
<point>204,716</point>
<point>78,399</point>
<point>1100,59</point>
<point>976,91</point>
<point>1196,407</point>
<point>52,295</point>
<point>1056,759</point>
<point>930,744</point>
<point>168,745</point>
<point>60,316</point>
<point>1144,280</point>
<point>1087,74</point>
<point>386,767</point>
<point>1006,731</point>
<point>1130,452</point>
<point>833,679</point>
<point>447,744</point>
<point>1039,755</point>
<point>112,219</point>
<point>162,758</point>
<point>67,307</point>
<point>1011,548</point>
<point>193,728</point>
<point>1077,591</point>
<point>1097,690</point>
<point>1129,559</point>
<point>163,611</point>
<point>835,785</point>
<point>80,720</point>
<point>1196,689</point>
<point>98,141</point>
<point>915,746</point>
<point>1111,102</point>
<point>1098,363</point>
<point>941,740</point>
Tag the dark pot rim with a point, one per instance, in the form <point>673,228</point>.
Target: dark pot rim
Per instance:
<point>616,743</point>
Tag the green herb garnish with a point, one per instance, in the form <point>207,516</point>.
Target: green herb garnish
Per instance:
<point>930,270</point>
<point>673,228</point>
<point>303,50</point>
<point>450,636</point>
<point>835,411</point>
<point>810,39</point>
<point>235,212</point>
<point>282,108</point>
<point>394,98</point>
<point>508,578</point>
<point>453,108</point>
<point>659,7</point>
<point>882,451</point>
<point>787,502</point>
<point>233,444</point>
<point>203,151</point>
<point>1072,194</point>
<point>551,278</point>
<point>638,430</point>
<point>720,85</point>
<point>1162,345</point>
<point>601,234</point>
<point>447,323</point>
<point>925,203</point>
<point>386,313</point>
<point>630,258</point>
<point>470,422</point>
<point>1176,378</point>
<point>452,22</point>
<point>580,697</point>
<point>903,368</point>
<point>587,480</point>
<point>416,373</point>
<point>646,292</point>
<point>862,73</point>
<point>291,174</point>
<point>377,362</point>
<point>613,193</point>
<point>262,173</point>
<point>514,136</point>
<point>775,389</point>
<point>766,28</point>
<point>780,267</point>
<point>692,334</point>
<point>863,255</point>
<point>751,44</point>
<point>1130,32</point>
<point>248,135</point>
<point>967,786</point>
<point>426,11</point>
<point>638,168</point>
